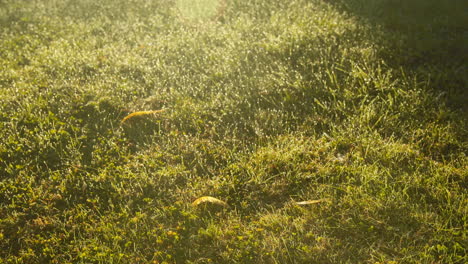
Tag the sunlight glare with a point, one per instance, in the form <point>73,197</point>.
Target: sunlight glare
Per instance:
<point>199,9</point>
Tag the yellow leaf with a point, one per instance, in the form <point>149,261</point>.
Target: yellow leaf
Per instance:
<point>141,113</point>
<point>209,199</point>
<point>313,201</point>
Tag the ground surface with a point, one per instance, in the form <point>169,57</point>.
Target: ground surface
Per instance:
<point>359,104</point>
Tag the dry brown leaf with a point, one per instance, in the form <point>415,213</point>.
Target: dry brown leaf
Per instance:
<point>209,199</point>
<point>313,201</point>
<point>140,113</point>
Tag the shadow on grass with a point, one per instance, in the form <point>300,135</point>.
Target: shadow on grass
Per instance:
<point>426,36</point>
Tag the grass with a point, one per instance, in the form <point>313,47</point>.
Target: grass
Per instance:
<point>358,104</point>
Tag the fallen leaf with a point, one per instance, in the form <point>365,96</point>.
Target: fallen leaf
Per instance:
<point>141,113</point>
<point>209,199</point>
<point>313,201</point>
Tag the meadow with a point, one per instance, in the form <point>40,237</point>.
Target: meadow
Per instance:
<point>329,131</point>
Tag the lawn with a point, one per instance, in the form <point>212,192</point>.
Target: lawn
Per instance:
<point>314,131</point>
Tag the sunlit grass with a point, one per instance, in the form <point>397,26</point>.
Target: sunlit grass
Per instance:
<point>302,131</point>
<point>200,10</point>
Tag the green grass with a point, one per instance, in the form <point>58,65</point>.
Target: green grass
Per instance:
<point>268,103</point>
